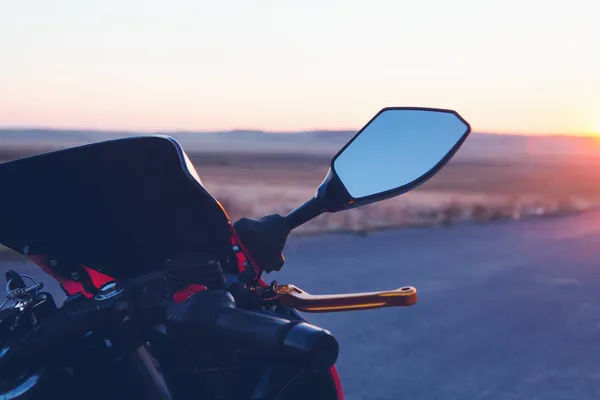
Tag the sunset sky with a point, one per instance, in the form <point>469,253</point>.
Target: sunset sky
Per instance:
<point>506,66</point>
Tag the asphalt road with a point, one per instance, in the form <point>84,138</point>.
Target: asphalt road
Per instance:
<point>506,311</point>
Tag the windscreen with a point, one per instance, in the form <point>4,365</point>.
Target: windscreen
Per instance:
<point>123,206</point>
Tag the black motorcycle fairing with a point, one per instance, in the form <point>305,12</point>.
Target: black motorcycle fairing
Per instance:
<point>122,206</point>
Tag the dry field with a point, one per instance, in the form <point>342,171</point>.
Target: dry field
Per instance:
<point>257,185</point>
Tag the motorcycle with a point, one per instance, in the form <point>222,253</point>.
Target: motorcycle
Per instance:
<point>165,297</point>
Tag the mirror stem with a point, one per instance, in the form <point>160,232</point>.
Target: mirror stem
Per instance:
<point>307,211</point>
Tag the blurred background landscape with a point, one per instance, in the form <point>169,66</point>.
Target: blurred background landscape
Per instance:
<point>255,173</point>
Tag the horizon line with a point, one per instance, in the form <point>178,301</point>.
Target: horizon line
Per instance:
<point>217,131</point>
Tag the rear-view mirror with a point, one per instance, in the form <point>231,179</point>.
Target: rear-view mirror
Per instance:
<point>397,150</point>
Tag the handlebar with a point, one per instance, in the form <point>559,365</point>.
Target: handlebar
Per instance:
<point>294,341</point>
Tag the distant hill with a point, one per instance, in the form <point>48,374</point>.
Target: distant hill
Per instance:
<point>478,146</point>
<point>219,141</point>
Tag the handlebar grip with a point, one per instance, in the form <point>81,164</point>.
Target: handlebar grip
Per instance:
<point>298,342</point>
<point>294,341</point>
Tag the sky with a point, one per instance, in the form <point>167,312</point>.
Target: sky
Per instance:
<point>508,66</point>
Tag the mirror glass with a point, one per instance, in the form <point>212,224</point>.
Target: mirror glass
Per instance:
<point>396,149</point>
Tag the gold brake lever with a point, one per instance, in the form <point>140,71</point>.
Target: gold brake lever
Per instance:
<point>292,296</point>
